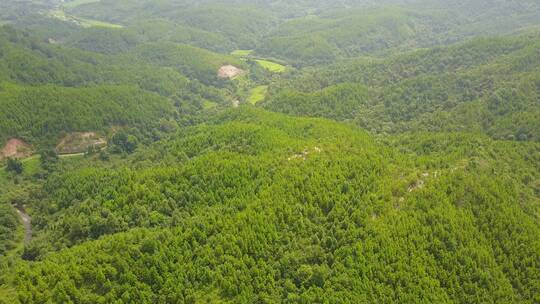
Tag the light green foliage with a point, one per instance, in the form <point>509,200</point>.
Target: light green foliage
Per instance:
<point>31,165</point>
<point>241,53</point>
<point>271,66</point>
<point>193,201</point>
<point>316,201</point>
<point>96,23</point>
<point>209,105</point>
<point>9,222</point>
<point>75,3</point>
<point>257,94</point>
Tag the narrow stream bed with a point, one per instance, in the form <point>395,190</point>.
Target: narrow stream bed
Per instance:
<point>27,223</point>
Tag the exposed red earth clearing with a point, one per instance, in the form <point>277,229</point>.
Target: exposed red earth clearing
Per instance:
<point>79,142</point>
<point>16,148</point>
<point>229,71</point>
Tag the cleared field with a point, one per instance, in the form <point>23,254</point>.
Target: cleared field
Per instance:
<point>257,94</point>
<point>30,167</point>
<point>92,23</point>
<point>207,104</point>
<point>61,15</point>
<point>80,142</point>
<point>76,3</point>
<point>271,66</point>
<point>241,53</point>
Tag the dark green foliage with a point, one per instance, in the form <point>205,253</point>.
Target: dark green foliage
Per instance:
<point>324,38</point>
<point>364,28</point>
<point>124,142</point>
<point>48,159</point>
<point>313,32</point>
<point>25,59</point>
<point>191,61</point>
<point>104,156</point>
<point>42,113</point>
<point>103,40</point>
<point>159,30</point>
<point>14,165</point>
<point>240,26</point>
<point>337,102</point>
<point>311,49</point>
<point>487,85</point>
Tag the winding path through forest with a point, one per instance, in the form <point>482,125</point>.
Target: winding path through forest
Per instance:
<point>27,223</point>
<point>25,218</point>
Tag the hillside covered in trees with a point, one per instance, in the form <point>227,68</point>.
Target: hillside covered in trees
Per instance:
<point>249,208</point>
<point>486,85</point>
<point>234,151</point>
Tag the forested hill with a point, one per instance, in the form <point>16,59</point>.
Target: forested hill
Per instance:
<point>315,32</point>
<point>486,85</point>
<point>260,207</point>
<point>269,151</point>
<point>61,89</point>
<point>344,29</point>
<point>27,59</point>
<point>41,114</point>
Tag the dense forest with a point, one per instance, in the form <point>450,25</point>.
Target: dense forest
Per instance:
<point>291,210</point>
<point>234,151</point>
<point>485,85</point>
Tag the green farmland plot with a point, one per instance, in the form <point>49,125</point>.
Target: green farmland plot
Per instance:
<point>257,94</point>
<point>75,3</point>
<point>271,66</point>
<point>241,53</point>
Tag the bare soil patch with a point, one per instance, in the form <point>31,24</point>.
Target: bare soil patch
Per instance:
<point>229,72</point>
<point>79,142</point>
<point>16,148</point>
